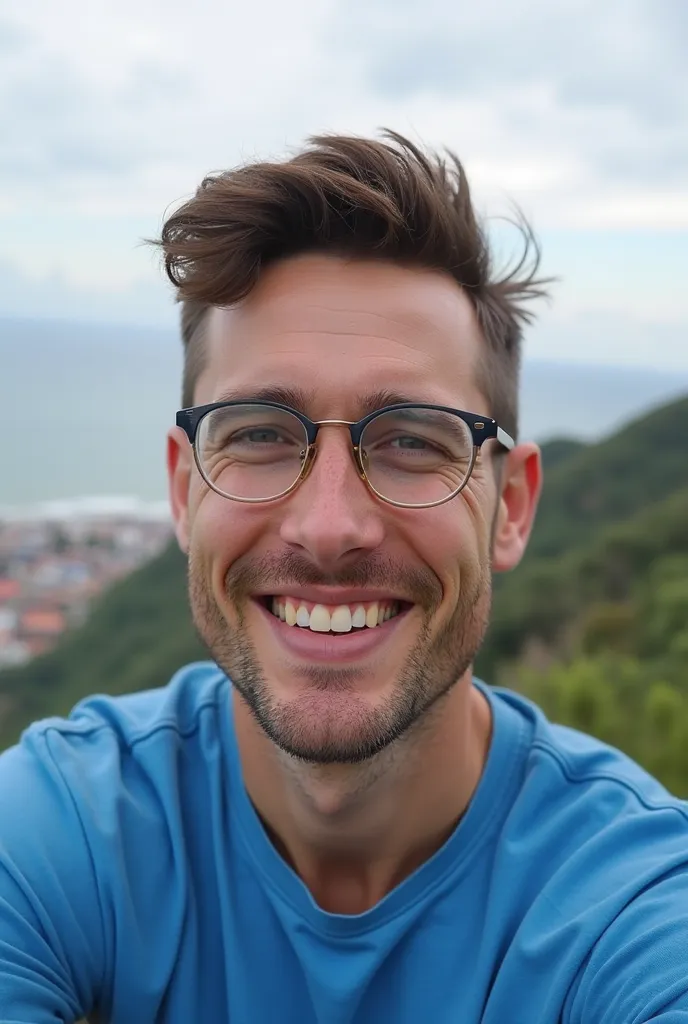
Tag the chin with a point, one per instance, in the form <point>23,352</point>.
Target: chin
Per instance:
<point>328,726</point>
<point>332,720</point>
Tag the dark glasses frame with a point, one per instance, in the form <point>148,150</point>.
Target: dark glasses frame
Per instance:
<point>482,429</point>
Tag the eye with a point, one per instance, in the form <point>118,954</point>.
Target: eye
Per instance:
<point>258,435</point>
<point>407,441</point>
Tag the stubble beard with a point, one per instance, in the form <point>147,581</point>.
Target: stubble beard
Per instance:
<point>332,723</point>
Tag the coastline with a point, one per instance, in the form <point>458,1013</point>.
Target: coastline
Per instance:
<point>86,507</point>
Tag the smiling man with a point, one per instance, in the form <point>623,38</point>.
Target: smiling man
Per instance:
<point>332,821</point>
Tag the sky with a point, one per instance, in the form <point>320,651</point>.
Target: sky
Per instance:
<point>111,115</point>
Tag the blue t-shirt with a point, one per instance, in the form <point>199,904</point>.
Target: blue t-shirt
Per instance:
<point>136,877</point>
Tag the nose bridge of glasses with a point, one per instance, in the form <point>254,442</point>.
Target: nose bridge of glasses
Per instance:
<point>314,447</point>
<point>335,423</point>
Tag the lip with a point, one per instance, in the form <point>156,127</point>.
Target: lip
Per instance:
<point>333,595</point>
<point>328,648</point>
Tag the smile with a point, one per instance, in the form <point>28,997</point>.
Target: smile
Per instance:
<point>340,618</point>
<point>315,632</point>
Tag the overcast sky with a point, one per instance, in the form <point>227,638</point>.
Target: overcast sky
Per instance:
<point>110,113</point>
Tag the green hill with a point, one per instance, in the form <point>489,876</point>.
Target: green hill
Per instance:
<point>558,450</point>
<point>137,635</point>
<point>604,483</point>
<point>561,602</point>
<point>593,624</point>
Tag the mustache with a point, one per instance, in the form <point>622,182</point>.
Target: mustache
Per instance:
<point>276,573</point>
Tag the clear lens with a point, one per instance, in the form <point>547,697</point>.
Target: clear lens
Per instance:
<point>251,451</point>
<point>417,456</point>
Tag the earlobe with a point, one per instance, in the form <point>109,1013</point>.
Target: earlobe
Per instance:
<point>179,467</point>
<point>520,491</point>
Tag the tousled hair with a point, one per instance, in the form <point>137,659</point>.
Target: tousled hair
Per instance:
<point>354,197</point>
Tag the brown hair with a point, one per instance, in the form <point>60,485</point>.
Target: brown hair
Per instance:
<point>372,199</point>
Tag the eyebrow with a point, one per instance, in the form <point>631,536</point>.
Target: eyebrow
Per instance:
<point>296,398</point>
<point>302,400</point>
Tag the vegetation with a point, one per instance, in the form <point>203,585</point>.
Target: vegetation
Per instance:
<point>598,637</point>
<point>593,625</point>
<point>138,634</point>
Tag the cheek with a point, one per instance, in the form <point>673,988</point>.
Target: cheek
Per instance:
<point>457,537</point>
<point>449,540</point>
<point>480,505</point>
<point>216,535</point>
<point>224,531</point>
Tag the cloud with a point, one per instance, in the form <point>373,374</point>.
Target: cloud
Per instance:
<point>13,39</point>
<point>604,85</point>
<point>561,104</point>
<point>111,113</point>
<point>64,125</point>
<point>612,337</point>
<point>140,98</point>
<point>627,54</point>
<point>147,302</point>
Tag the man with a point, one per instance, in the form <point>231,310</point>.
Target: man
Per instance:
<point>333,821</point>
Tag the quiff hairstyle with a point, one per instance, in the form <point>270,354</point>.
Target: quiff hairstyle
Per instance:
<point>381,199</point>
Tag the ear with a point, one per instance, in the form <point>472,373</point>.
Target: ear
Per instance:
<point>520,486</point>
<point>179,469</point>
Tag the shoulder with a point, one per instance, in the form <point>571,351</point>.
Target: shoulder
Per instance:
<point>80,799</point>
<point>596,829</point>
<point>636,969</point>
<point>603,868</point>
<point>82,768</point>
<point>77,789</point>
<point>129,721</point>
<point>132,718</point>
<point>567,767</point>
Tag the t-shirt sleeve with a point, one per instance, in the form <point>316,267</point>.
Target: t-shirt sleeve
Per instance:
<point>637,972</point>
<point>51,931</point>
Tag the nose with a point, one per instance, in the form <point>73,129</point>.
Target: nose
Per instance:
<point>332,517</point>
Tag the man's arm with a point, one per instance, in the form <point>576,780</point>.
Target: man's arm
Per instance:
<point>51,930</point>
<point>638,971</point>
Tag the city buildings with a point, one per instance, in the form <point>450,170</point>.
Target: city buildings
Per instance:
<point>56,560</point>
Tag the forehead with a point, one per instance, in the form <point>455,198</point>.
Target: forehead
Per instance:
<point>338,330</point>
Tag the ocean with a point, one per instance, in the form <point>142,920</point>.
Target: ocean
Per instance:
<point>85,408</point>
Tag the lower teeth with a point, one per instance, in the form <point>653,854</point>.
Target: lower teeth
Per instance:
<point>340,632</point>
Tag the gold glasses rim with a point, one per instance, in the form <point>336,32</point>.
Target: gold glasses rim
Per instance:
<point>308,460</point>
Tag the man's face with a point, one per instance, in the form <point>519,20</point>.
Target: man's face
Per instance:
<point>336,332</point>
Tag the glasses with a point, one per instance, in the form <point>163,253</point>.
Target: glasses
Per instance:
<point>409,455</point>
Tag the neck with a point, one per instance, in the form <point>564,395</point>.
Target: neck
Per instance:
<point>354,832</point>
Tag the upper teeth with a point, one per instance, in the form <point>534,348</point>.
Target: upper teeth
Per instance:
<point>340,618</point>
